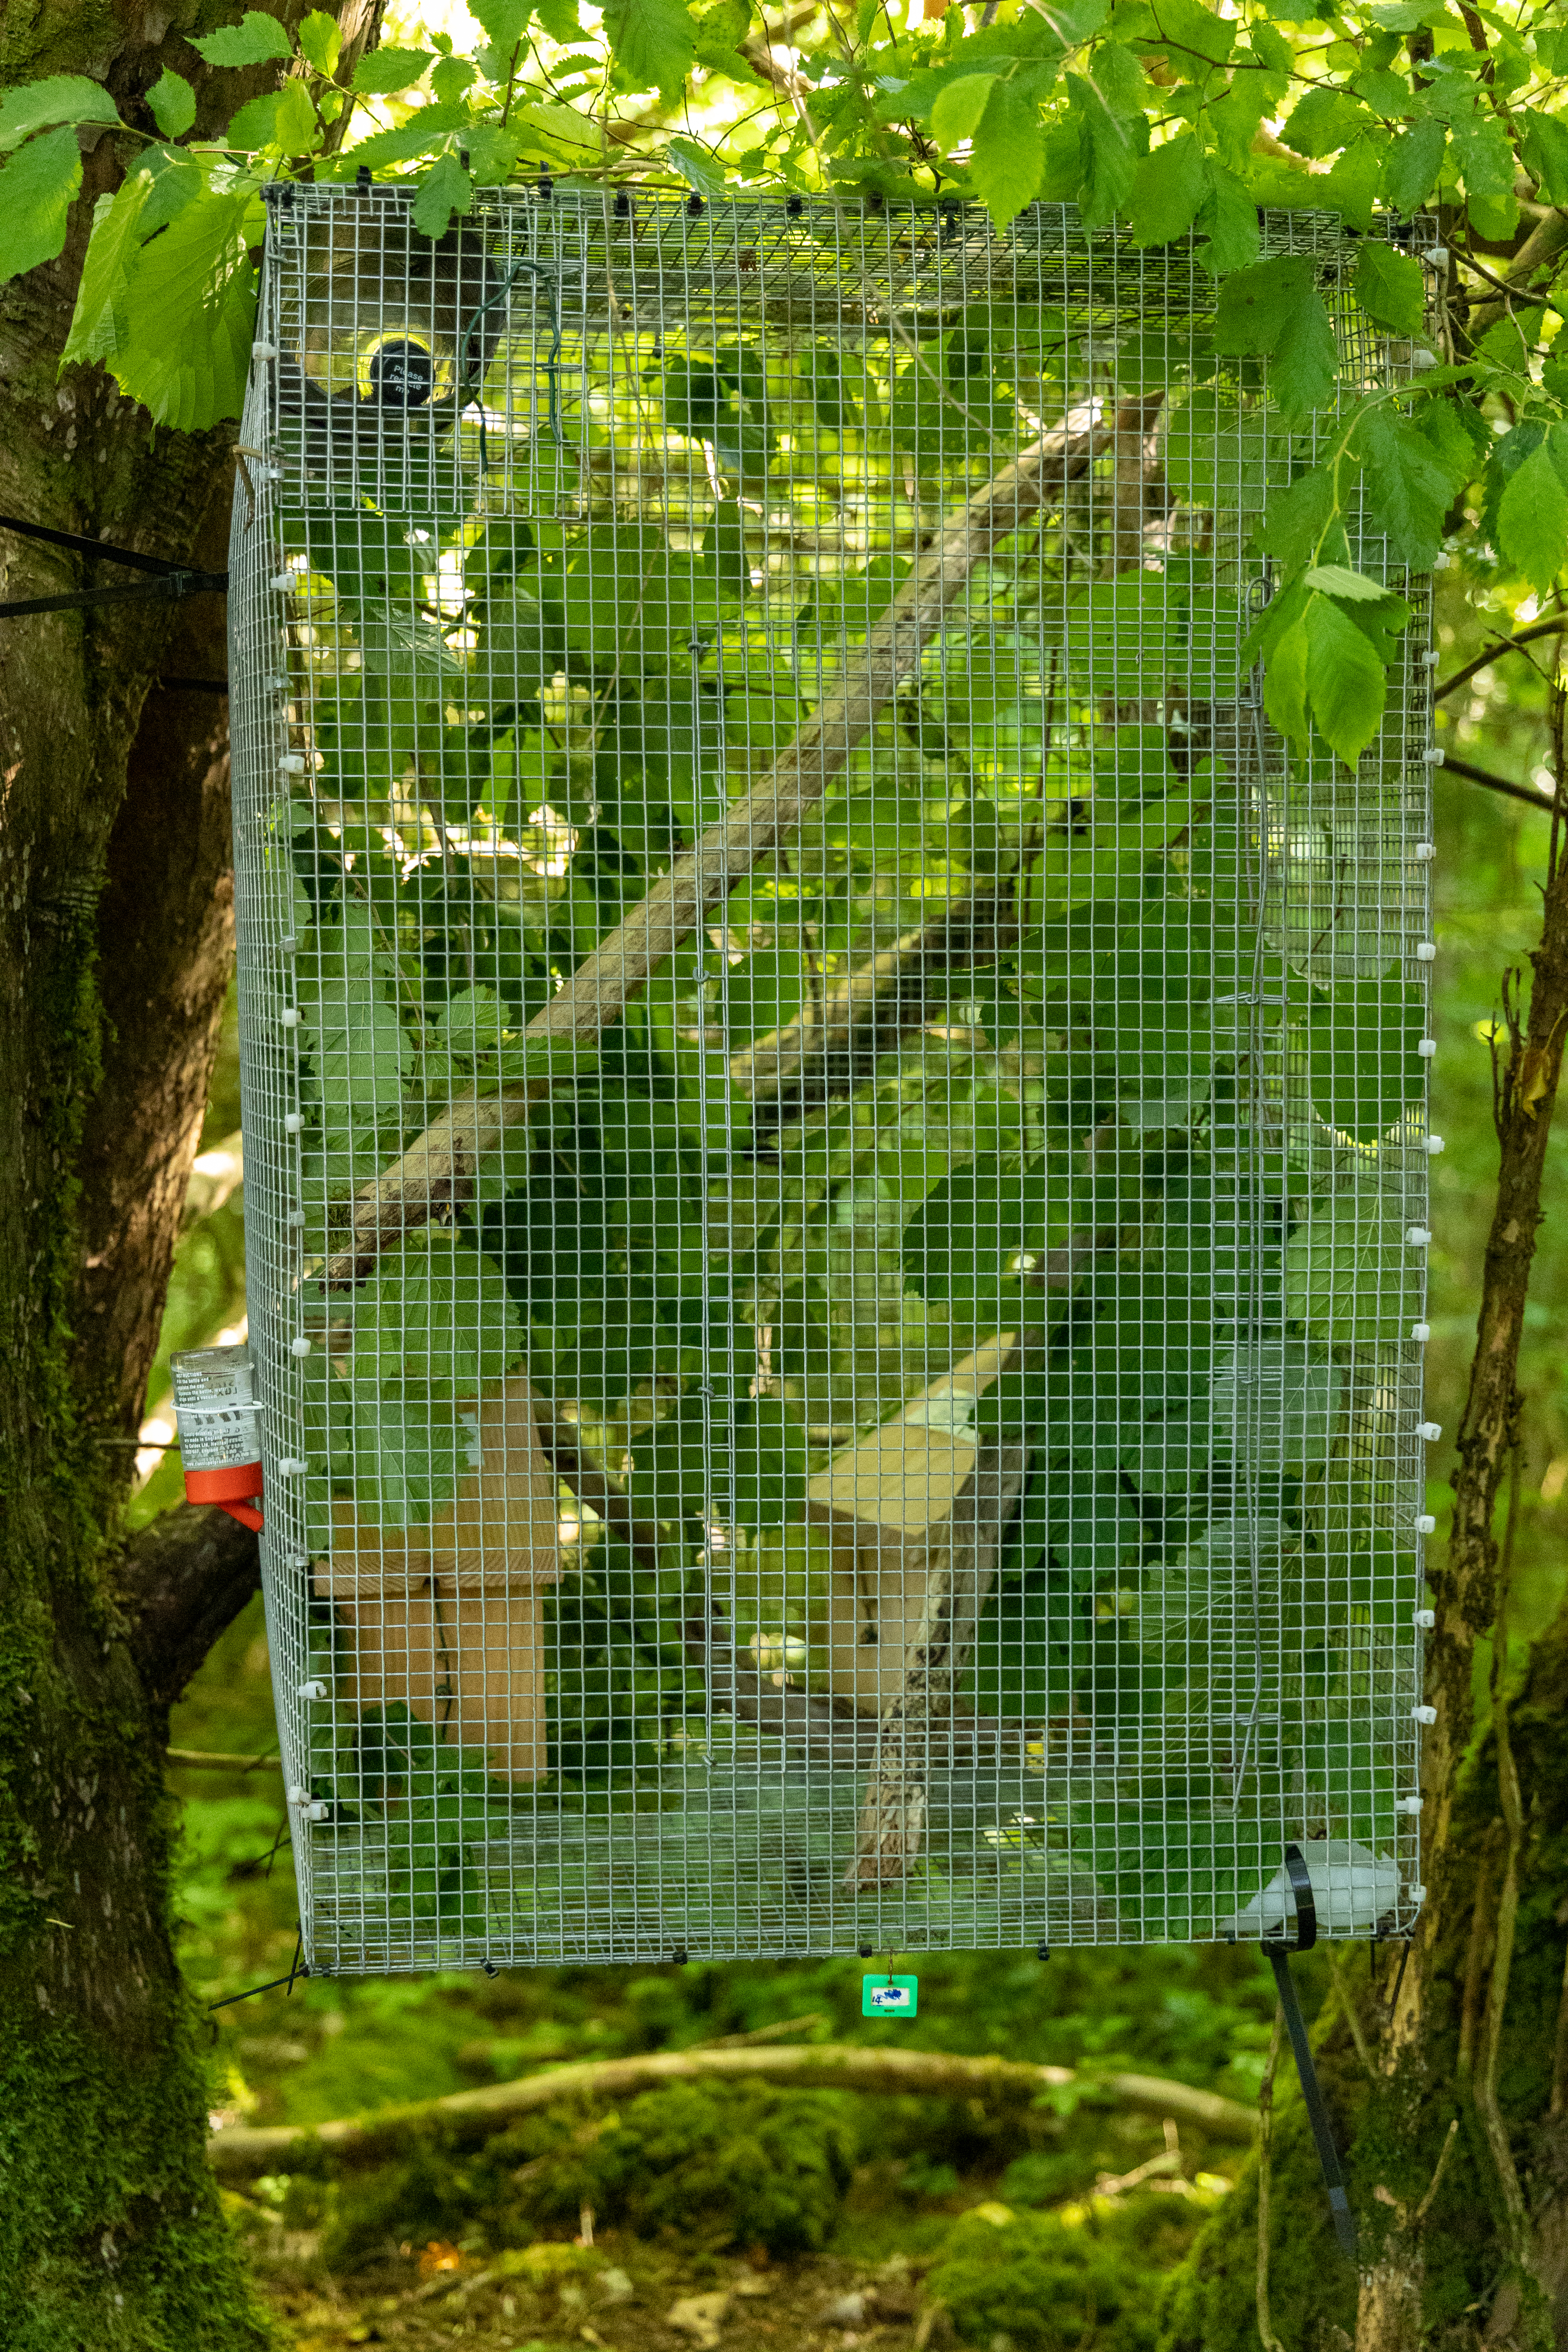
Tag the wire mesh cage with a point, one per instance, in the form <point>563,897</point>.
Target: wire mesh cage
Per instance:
<point>836,1130</point>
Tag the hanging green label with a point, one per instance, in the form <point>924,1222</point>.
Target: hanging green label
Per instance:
<point>889,1996</point>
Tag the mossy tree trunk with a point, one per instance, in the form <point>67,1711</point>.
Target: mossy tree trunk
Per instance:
<point>115,949</point>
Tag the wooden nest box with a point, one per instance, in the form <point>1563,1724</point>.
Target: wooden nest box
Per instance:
<point>449,1619</point>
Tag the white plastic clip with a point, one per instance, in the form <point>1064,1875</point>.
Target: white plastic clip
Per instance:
<point>301,1347</point>
<point>1426,1525</point>
<point>289,1016</point>
<point>1425,951</point>
<point>290,1468</point>
<point>291,764</point>
<point>1422,1715</point>
<point>1407,1805</point>
<point>1417,1236</point>
<point>1433,1146</point>
<point>1424,1619</point>
<point>292,1122</point>
<point>264,351</point>
<point>1434,758</point>
<point>1421,1331</point>
<point>1424,851</point>
<point>1429,1432</point>
<point>1427,1047</point>
<point>311,1690</point>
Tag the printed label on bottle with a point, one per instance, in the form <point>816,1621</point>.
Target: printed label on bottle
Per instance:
<point>207,1378</point>
<point>226,1438</point>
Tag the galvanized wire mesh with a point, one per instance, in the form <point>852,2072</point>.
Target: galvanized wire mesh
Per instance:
<point>908,1433</point>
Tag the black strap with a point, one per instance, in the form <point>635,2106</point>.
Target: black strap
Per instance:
<point>1279,1954</point>
<point>168,578</point>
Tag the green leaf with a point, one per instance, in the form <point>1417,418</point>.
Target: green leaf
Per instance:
<point>1347,686</point>
<point>380,73</point>
<point>1229,220</point>
<point>36,186</point>
<point>1543,144</point>
<point>251,42</point>
<point>1484,157</point>
<point>1363,1065</point>
<point>562,124</point>
<point>100,322</point>
<point>1350,187</point>
<point>1412,164</point>
<point>1326,119</point>
<point>1168,186</point>
<point>1409,488</point>
<point>958,109</point>
<point>421,136</point>
<point>1276,311</point>
<point>1350,587</point>
<point>505,22</point>
<point>320,41</point>
<point>59,98</point>
<point>1107,154</point>
<point>1298,518</point>
<point>654,43</point>
<point>1390,288</point>
<point>1008,159</point>
<point>191,306</point>
<point>451,76</point>
<point>492,155</point>
<point>1532,520</point>
<point>174,104</point>
<point>697,168</point>
<point>1285,683</point>
<point>446,189</point>
<point>284,120</point>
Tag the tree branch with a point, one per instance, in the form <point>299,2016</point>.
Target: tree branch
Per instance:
<point>182,1583</point>
<point>1525,1087</point>
<point>887,994</point>
<point>440,1169</point>
<point>242,2152</point>
<point>1553,626</point>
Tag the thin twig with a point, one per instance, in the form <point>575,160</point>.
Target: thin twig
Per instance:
<point>1553,626</point>
<point>1266,2337</point>
<point>1352,2013</point>
<point>1484,2090</point>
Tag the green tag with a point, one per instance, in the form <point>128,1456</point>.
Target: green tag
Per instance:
<point>889,1996</point>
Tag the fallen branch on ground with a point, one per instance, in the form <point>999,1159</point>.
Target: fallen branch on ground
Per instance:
<point>438,1171</point>
<point>244,2151</point>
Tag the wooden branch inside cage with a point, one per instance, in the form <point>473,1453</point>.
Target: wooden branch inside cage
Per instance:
<point>440,1169</point>
<point>917,1511</point>
<point>449,1619</point>
<point>834,1039</point>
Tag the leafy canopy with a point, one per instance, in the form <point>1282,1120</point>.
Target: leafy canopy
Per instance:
<point>1181,120</point>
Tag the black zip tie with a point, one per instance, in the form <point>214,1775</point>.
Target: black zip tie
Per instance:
<point>169,579</point>
<point>294,1965</point>
<point>1399,1978</point>
<point>230,1998</point>
<point>550,281</point>
<point>1279,1958</point>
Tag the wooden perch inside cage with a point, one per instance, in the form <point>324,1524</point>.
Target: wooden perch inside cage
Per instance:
<point>449,1619</point>
<point>889,1501</point>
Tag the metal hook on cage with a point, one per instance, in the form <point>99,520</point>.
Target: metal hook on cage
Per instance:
<point>1278,1951</point>
<point>549,278</point>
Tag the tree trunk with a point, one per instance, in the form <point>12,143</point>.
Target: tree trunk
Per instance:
<point>1468,2029</point>
<point>115,950</point>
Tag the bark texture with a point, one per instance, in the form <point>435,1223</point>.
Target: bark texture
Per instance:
<point>115,949</point>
